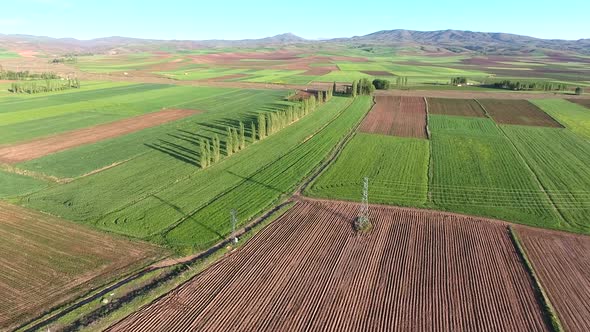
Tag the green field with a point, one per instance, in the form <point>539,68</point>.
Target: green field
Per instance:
<point>155,195</point>
<point>221,107</point>
<point>12,185</point>
<point>573,116</point>
<point>397,168</point>
<point>560,160</point>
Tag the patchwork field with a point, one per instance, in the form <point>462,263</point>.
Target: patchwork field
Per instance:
<point>332,278</point>
<point>48,145</point>
<point>46,261</point>
<point>561,261</point>
<point>582,102</point>
<point>398,116</point>
<point>517,112</point>
<point>397,168</point>
<point>476,170</point>
<point>459,107</point>
<point>163,197</point>
<point>574,117</point>
<point>560,161</point>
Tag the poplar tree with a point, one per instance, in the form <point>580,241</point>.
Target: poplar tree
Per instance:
<point>242,136</point>
<point>235,140</point>
<point>216,148</point>
<point>203,155</point>
<point>253,131</point>
<point>261,126</point>
<point>355,87</point>
<point>229,145</point>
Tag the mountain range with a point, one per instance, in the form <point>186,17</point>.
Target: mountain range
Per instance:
<point>457,41</point>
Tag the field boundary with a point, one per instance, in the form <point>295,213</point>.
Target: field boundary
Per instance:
<point>539,183</point>
<point>43,146</point>
<point>182,264</point>
<point>430,172</point>
<point>333,155</point>
<point>552,319</point>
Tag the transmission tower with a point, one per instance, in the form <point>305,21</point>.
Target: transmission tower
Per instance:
<point>363,219</point>
<point>234,220</point>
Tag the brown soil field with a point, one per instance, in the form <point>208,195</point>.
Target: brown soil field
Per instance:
<point>582,102</point>
<point>474,94</point>
<point>377,73</point>
<point>46,261</point>
<point>47,145</point>
<point>460,107</point>
<point>397,116</point>
<point>562,262</point>
<point>518,112</point>
<point>416,270</point>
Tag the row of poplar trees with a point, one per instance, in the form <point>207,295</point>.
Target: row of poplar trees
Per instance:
<point>266,125</point>
<point>44,86</point>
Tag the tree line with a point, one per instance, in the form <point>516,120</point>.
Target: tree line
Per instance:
<point>528,85</point>
<point>25,75</point>
<point>266,124</point>
<point>32,87</point>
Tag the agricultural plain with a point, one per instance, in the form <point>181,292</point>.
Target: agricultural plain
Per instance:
<point>416,270</point>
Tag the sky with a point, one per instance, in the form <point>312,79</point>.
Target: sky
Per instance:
<point>312,19</point>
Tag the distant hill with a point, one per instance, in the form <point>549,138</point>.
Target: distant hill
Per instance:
<point>469,40</point>
<point>455,41</point>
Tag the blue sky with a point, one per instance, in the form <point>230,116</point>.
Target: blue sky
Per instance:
<point>234,19</point>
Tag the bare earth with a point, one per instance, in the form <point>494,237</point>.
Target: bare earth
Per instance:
<point>417,270</point>
<point>47,145</point>
<point>398,116</point>
<point>562,262</point>
<point>46,261</point>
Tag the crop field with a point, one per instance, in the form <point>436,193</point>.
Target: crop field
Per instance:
<point>458,125</point>
<point>46,261</point>
<point>582,102</point>
<point>574,117</point>
<point>560,161</point>
<point>16,184</point>
<point>518,112</point>
<point>561,261</point>
<point>398,116</point>
<point>481,173</point>
<point>397,168</point>
<point>52,144</point>
<point>331,278</point>
<point>219,108</point>
<point>163,197</point>
<point>459,107</point>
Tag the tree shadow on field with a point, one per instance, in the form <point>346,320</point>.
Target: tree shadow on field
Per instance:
<point>188,216</point>
<point>176,151</point>
<point>252,180</point>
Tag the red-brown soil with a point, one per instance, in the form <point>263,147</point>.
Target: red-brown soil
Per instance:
<point>518,112</point>
<point>582,102</point>
<point>377,73</point>
<point>562,262</point>
<point>46,261</point>
<point>398,116</point>
<point>460,107</point>
<point>47,145</point>
<point>416,270</point>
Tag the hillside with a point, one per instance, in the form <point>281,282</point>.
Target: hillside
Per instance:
<point>455,41</point>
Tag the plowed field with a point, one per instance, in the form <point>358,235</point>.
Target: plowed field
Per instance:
<point>415,271</point>
<point>45,261</point>
<point>397,116</point>
<point>461,107</point>
<point>583,102</point>
<point>518,112</point>
<point>562,262</point>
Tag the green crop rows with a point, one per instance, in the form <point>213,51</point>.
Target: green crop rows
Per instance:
<point>156,197</point>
